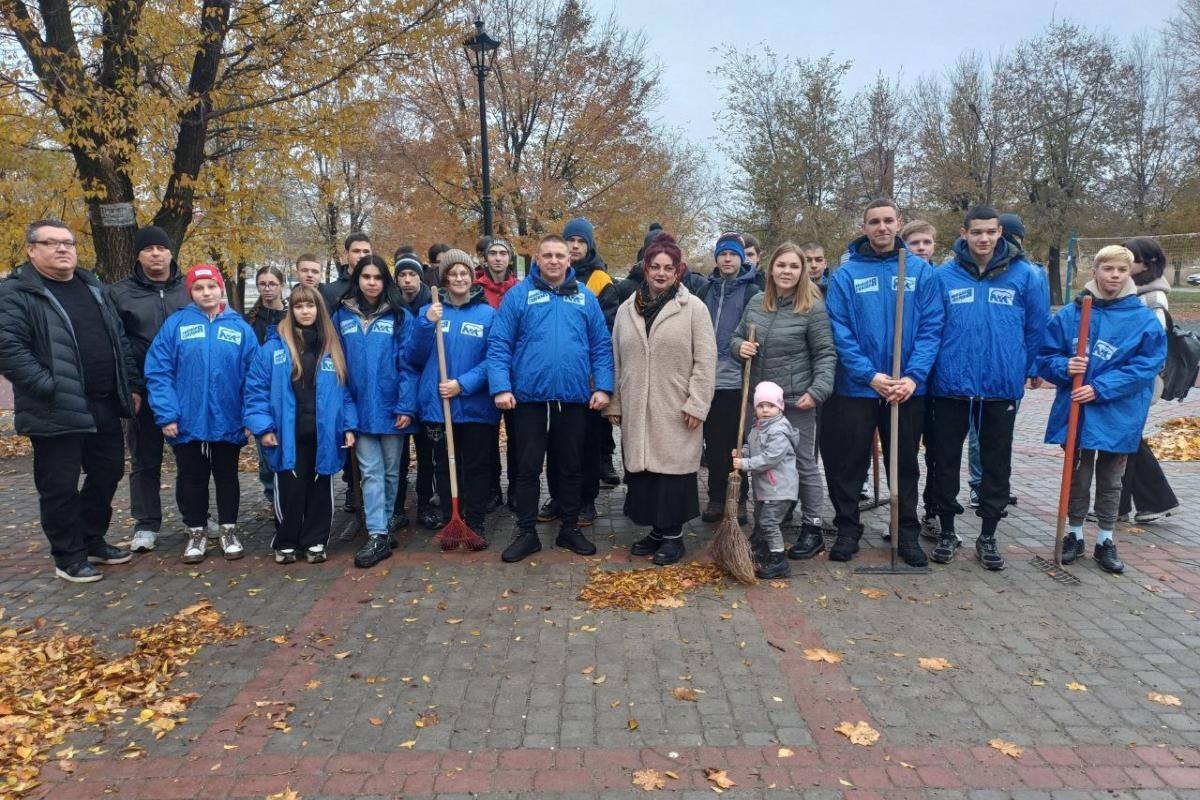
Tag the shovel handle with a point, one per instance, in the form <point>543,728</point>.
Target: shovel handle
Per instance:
<point>1064,489</point>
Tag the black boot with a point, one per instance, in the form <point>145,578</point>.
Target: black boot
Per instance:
<point>910,552</point>
<point>670,551</point>
<point>844,548</point>
<point>1106,556</point>
<point>375,550</point>
<point>523,545</point>
<point>647,545</point>
<point>494,502</point>
<point>607,473</point>
<point>948,544</point>
<point>808,544</point>
<point>773,565</point>
<point>1072,548</point>
<point>988,553</point>
<point>573,539</point>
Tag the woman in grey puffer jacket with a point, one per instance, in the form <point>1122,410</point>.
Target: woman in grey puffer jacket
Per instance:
<point>793,348</point>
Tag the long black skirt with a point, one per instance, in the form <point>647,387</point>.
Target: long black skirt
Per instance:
<point>661,501</point>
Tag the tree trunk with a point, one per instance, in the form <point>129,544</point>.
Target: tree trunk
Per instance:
<point>1056,286</point>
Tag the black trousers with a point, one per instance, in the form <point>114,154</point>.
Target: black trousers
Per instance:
<point>928,432</point>
<point>1145,485</point>
<point>608,441</point>
<point>561,429</point>
<point>196,462</point>
<point>145,442</point>
<point>848,426</point>
<point>473,464</point>
<point>75,519</point>
<point>720,438</point>
<point>994,419</point>
<point>424,479</point>
<point>303,501</point>
<point>589,468</point>
<point>510,456</point>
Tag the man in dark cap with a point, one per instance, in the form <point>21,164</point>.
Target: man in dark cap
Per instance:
<point>144,300</point>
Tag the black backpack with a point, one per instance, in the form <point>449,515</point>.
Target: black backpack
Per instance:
<point>1183,359</point>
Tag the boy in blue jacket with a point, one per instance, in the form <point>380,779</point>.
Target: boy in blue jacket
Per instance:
<point>996,312</point>
<point>1127,347</point>
<point>195,372</point>
<point>550,359</point>
<point>862,311</point>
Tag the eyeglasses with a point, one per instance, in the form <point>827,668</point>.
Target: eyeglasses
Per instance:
<point>54,244</point>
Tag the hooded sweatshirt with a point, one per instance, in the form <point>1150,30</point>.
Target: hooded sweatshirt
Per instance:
<point>1126,350</point>
<point>592,272</point>
<point>995,320</point>
<point>726,300</point>
<point>493,290</point>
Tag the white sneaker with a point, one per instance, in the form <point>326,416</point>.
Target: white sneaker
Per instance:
<point>214,532</point>
<point>194,550</point>
<point>287,556</point>
<point>143,541</point>
<point>315,554</point>
<point>230,546</point>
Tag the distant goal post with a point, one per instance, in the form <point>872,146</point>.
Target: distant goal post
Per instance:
<point>1182,249</point>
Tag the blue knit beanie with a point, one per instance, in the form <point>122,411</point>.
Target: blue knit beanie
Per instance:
<point>731,241</point>
<point>583,229</point>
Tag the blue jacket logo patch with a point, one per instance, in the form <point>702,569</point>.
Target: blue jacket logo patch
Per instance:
<point>382,326</point>
<point>472,329</point>
<point>348,326</point>
<point>910,282</point>
<point>863,285</point>
<point>537,296</point>
<point>280,357</point>
<point>1002,297</point>
<point>574,299</point>
<point>445,325</point>
<point>1104,350</point>
<point>229,335</point>
<point>966,295</point>
<point>327,365</point>
<point>191,332</point>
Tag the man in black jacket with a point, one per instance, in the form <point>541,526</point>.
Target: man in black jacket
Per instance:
<point>144,300</point>
<point>63,349</point>
<point>357,245</point>
<point>416,294</point>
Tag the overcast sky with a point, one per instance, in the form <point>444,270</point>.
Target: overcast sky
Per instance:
<point>916,36</point>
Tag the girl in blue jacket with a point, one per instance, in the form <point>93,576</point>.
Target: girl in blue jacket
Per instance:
<point>372,325</point>
<point>298,405</point>
<point>1126,350</point>
<point>466,319</point>
<point>195,373</point>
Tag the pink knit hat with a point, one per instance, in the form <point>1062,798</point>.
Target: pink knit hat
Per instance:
<point>767,392</point>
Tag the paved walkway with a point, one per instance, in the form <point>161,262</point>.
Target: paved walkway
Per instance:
<point>518,716</point>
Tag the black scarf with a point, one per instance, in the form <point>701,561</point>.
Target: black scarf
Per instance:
<point>649,307</point>
<point>311,346</point>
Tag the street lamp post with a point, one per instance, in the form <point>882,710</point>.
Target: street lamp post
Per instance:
<point>480,50</point>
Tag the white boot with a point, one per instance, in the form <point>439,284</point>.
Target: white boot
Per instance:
<point>230,546</point>
<point>193,551</point>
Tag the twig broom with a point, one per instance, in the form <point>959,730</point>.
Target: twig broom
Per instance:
<point>730,548</point>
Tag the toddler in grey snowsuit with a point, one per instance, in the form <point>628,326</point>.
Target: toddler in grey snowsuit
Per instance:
<point>770,458</point>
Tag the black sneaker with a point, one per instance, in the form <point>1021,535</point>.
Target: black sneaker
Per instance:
<point>493,503</point>
<point>399,522</point>
<point>523,545</point>
<point>988,553</point>
<point>375,550</point>
<point>1072,548</point>
<point>79,572</point>
<point>104,553</point>
<point>947,546</point>
<point>808,544</point>
<point>772,565</point>
<point>431,518</point>
<point>912,554</point>
<point>844,548</point>
<point>587,515</point>
<point>350,504</point>
<point>931,529</point>
<point>1106,556</point>
<point>974,497</point>
<point>607,474</point>
<point>549,511</point>
<point>669,552</point>
<point>647,545</point>
<point>573,539</point>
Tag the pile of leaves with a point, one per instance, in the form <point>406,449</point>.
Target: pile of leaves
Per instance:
<point>53,685</point>
<point>15,446</point>
<point>648,589</point>
<point>1177,440</point>
<point>248,458</point>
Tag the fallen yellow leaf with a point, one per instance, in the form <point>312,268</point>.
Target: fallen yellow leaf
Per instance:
<point>934,664</point>
<point>1008,748</point>
<point>409,744</point>
<point>685,693</point>
<point>376,721</point>
<point>1075,686</point>
<point>648,779</point>
<point>340,656</point>
<point>860,734</point>
<point>719,778</point>
<point>873,593</point>
<point>821,654</point>
<point>785,752</point>
<point>1165,699</point>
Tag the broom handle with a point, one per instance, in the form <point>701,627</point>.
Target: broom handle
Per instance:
<point>1064,489</point>
<point>894,433</point>
<point>441,350</point>
<point>745,394</point>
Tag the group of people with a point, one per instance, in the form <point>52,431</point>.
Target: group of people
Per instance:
<point>353,376</point>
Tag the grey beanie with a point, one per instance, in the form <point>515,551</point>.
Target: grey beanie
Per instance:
<point>452,257</point>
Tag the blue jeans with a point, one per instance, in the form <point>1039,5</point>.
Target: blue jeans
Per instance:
<point>379,469</point>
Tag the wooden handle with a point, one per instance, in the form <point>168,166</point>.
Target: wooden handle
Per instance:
<point>898,328</point>
<point>894,432</point>
<point>1064,489</point>
<point>441,351</point>
<point>745,392</point>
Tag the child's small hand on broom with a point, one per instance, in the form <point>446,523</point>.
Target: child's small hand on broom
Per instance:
<point>737,460</point>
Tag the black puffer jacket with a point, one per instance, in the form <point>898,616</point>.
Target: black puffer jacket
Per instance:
<point>144,306</point>
<point>262,319</point>
<point>40,355</point>
<point>334,291</point>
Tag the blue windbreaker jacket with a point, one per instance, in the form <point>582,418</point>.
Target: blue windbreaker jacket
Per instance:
<point>994,325</point>
<point>465,330</point>
<point>270,407</point>
<point>195,374</point>
<point>380,381</point>
<point>549,344</point>
<point>1126,350</point>
<point>862,310</point>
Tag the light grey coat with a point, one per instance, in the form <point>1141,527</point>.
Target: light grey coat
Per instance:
<point>771,459</point>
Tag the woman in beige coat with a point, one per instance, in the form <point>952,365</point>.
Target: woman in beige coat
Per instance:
<point>665,355</point>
